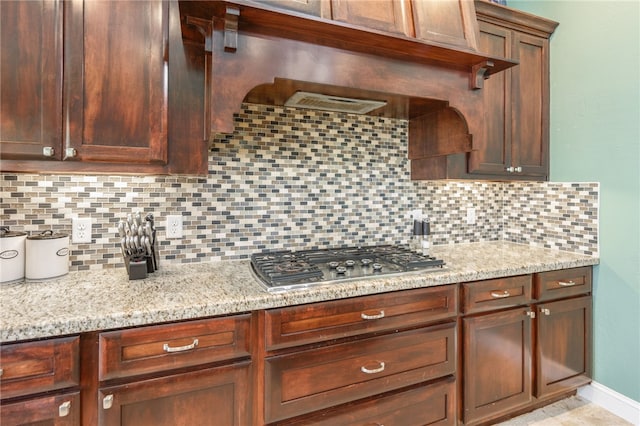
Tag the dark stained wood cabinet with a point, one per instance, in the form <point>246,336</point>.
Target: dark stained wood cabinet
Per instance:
<point>194,372</point>
<point>323,361</point>
<point>515,141</point>
<point>91,84</point>
<point>55,410</point>
<point>384,15</point>
<point>31,46</point>
<point>39,382</point>
<point>115,75</point>
<point>515,357</point>
<point>451,22</point>
<point>204,397</point>
<point>469,353</point>
<point>497,363</point>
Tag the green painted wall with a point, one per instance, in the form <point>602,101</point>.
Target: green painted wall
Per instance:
<point>595,136</point>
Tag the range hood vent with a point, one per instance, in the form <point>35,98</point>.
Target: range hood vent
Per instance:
<point>322,102</point>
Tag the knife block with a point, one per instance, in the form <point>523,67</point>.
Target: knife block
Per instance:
<point>137,267</point>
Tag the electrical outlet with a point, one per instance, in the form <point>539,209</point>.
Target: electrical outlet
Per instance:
<point>81,230</point>
<point>471,216</point>
<point>174,226</point>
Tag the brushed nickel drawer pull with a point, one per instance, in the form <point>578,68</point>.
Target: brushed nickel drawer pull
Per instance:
<point>64,409</point>
<point>373,370</point>
<point>169,349</point>
<point>566,283</point>
<point>500,295</point>
<point>372,317</point>
<point>107,402</point>
<point>545,311</point>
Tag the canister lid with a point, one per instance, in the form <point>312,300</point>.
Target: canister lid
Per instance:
<point>5,233</point>
<point>47,235</point>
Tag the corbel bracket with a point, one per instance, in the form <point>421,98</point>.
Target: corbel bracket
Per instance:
<point>204,27</point>
<point>479,73</point>
<point>231,16</point>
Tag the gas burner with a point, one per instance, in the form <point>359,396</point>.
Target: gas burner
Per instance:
<point>291,266</point>
<point>286,270</point>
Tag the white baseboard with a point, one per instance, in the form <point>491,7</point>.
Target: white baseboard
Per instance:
<point>612,401</point>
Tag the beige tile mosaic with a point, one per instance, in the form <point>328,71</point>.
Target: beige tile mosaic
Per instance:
<point>289,178</point>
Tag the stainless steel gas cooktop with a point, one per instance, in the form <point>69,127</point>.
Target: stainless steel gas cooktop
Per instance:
<point>287,270</point>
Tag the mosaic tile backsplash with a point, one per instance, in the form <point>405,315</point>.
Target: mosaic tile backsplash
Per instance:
<point>295,179</point>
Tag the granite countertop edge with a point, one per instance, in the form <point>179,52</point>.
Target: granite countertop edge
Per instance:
<point>95,301</point>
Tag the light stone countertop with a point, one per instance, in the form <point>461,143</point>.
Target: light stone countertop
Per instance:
<point>88,301</point>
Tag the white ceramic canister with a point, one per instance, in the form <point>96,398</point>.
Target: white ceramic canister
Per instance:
<point>11,255</point>
<point>47,255</point>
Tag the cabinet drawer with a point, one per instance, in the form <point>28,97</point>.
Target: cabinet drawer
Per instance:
<point>481,296</point>
<point>320,378</point>
<point>28,368</point>
<point>57,410</point>
<point>165,347</point>
<point>324,321</point>
<point>431,405</point>
<point>563,283</point>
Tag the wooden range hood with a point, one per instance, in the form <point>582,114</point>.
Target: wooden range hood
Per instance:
<point>263,54</point>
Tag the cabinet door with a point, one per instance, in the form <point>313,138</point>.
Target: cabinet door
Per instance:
<point>451,22</point>
<point>563,360</point>
<point>530,94</point>
<point>56,410</point>
<point>384,15</point>
<point>497,363</point>
<point>31,86</point>
<point>215,396</point>
<point>493,147</point>
<point>115,80</point>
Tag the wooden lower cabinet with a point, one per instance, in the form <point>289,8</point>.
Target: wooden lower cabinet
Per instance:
<point>563,350</point>
<point>316,379</point>
<point>521,356</point>
<point>430,405</point>
<point>214,396</point>
<point>53,410</point>
<point>497,363</point>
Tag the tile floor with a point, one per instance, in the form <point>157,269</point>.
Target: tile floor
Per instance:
<point>573,411</point>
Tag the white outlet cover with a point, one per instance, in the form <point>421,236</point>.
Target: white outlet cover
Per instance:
<point>81,230</point>
<point>471,216</point>
<point>174,226</point>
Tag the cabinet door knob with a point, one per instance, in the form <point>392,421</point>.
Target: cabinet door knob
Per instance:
<point>518,169</point>
<point>372,317</point>
<point>531,314</point>
<point>545,311</point>
<point>70,152</point>
<point>48,151</point>
<point>64,409</point>
<point>107,401</point>
<point>373,370</point>
<point>510,169</point>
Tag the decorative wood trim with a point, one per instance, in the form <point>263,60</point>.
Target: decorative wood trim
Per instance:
<point>231,18</point>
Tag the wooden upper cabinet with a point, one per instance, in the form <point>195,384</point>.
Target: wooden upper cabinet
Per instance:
<point>515,141</point>
<point>31,86</point>
<point>450,22</point>
<point>393,16</point>
<point>116,80</point>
